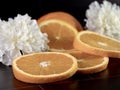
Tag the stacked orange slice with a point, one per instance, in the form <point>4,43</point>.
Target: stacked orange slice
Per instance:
<point>44,67</point>
<point>87,63</point>
<point>96,44</point>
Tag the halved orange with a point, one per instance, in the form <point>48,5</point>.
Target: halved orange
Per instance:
<point>87,63</point>
<point>61,28</point>
<point>44,67</point>
<point>96,44</point>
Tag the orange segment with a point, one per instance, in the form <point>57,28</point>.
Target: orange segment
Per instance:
<point>93,43</point>
<point>44,67</point>
<point>61,28</point>
<point>87,63</point>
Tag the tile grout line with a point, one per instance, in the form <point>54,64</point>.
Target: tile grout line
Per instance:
<point>41,87</point>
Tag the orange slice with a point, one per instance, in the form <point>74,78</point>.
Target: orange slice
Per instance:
<point>96,44</point>
<point>87,63</point>
<point>73,52</point>
<point>44,67</point>
<point>61,28</point>
<point>92,64</point>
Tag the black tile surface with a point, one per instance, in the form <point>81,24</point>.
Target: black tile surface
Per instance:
<point>108,79</point>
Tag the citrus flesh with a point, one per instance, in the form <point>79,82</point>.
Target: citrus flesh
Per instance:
<point>93,43</point>
<point>44,67</point>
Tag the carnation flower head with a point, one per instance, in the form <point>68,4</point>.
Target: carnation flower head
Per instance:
<point>20,35</point>
<point>104,19</point>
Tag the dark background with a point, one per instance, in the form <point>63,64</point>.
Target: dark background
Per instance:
<point>37,8</point>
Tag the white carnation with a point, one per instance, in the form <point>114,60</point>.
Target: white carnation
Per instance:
<point>104,19</point>
<point>20,35</point>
